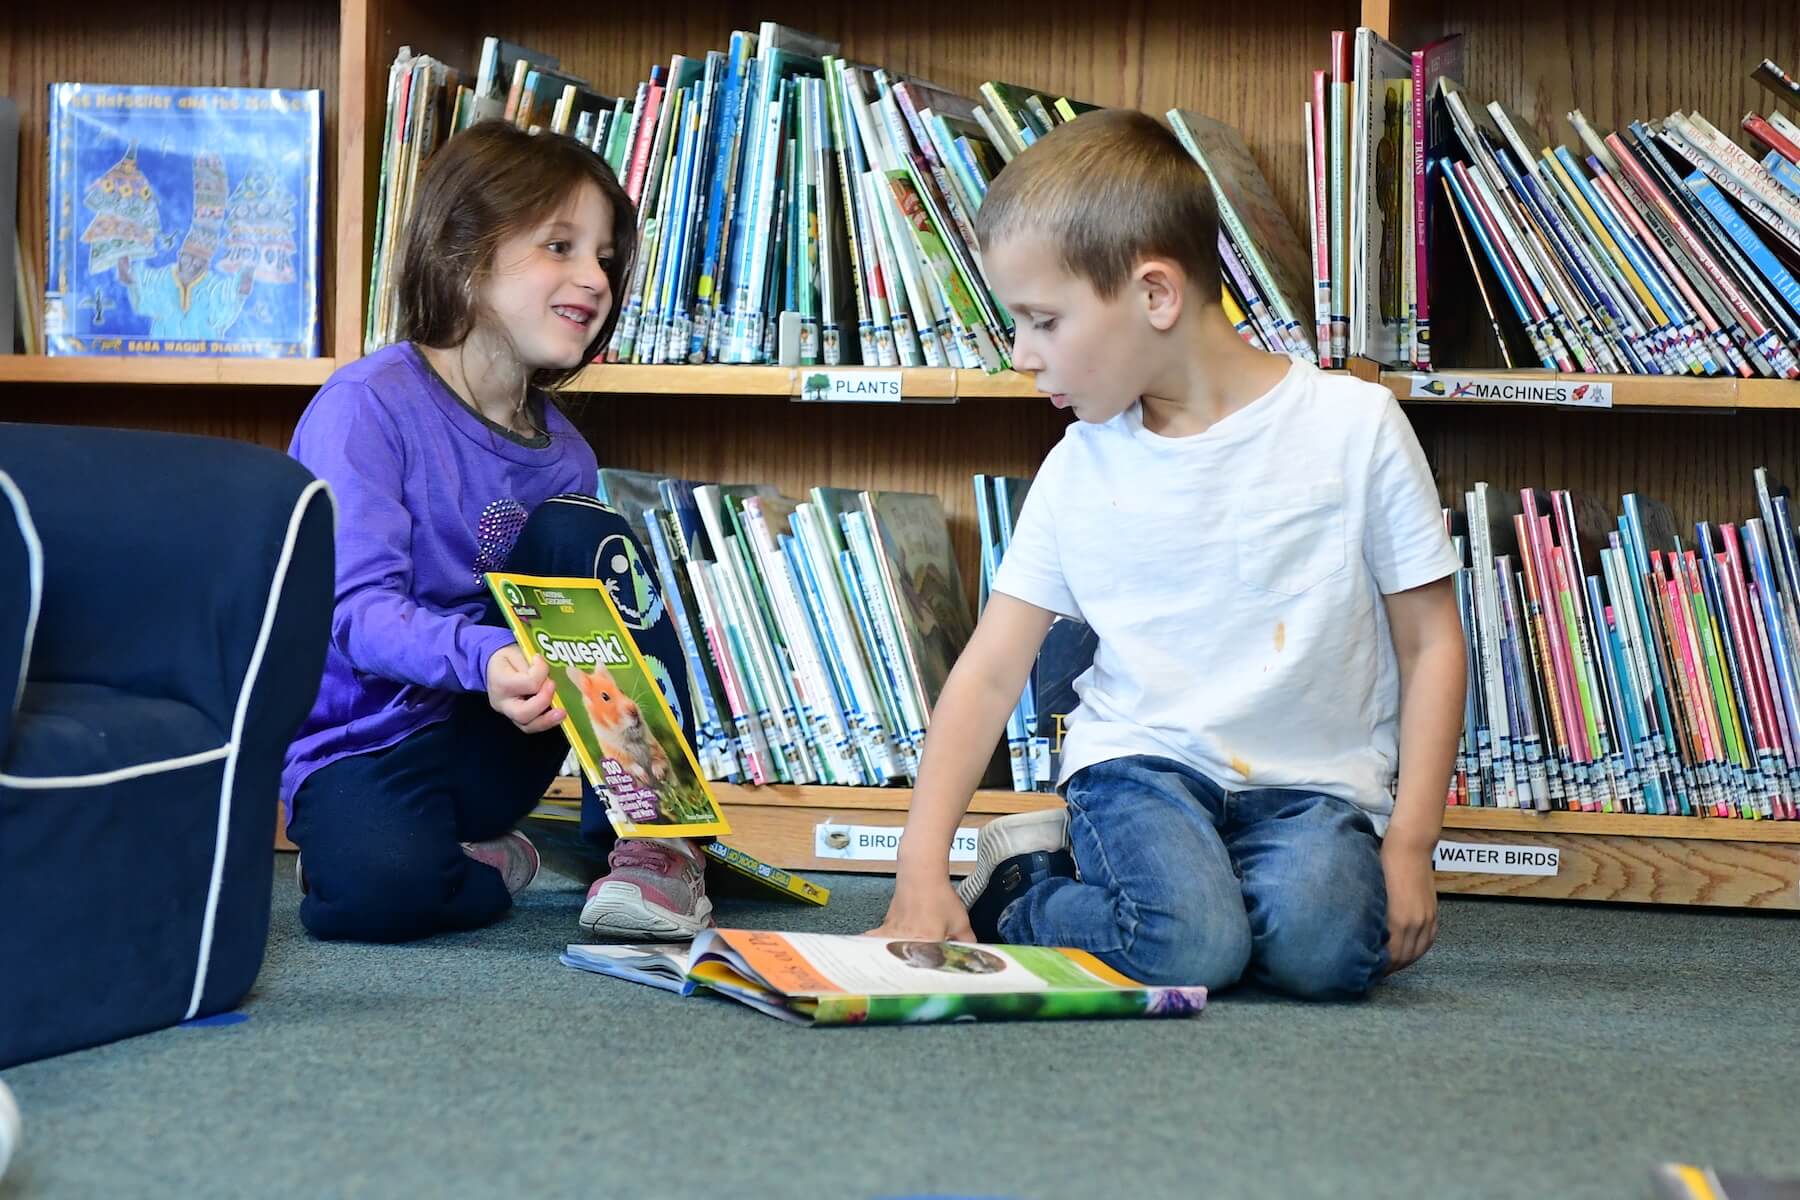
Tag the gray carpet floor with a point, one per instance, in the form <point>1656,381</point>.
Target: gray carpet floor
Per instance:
<point>1540,1050</point>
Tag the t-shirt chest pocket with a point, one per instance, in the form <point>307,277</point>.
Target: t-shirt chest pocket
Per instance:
<point>1290,540</point>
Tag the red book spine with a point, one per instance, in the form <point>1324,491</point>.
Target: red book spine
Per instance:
<point>1771,137</point>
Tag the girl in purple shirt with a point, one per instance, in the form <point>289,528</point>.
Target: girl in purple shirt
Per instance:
<point>431,736</point>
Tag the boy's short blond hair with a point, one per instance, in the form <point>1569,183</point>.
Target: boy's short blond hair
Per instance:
<point>1110,189</point>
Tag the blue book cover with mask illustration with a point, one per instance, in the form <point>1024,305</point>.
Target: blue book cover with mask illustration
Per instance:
<point>183,221</point>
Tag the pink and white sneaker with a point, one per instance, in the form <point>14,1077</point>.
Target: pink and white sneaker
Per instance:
<point>655,889</point>
<point>511,854</point>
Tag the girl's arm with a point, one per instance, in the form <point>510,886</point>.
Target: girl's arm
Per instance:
<point>349,440</point>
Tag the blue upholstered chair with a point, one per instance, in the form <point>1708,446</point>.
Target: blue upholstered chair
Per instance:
<point>164,607</point>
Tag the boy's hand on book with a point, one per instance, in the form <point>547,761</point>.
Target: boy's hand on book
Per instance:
<point>927,911</point>
<point>521,691</point>
<point>1411,905</point>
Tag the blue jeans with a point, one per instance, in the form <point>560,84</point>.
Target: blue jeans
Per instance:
<point>1185,883</point>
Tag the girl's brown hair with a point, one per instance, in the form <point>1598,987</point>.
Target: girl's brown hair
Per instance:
<point>486,184</point>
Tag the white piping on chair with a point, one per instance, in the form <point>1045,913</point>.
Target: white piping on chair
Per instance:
<point>117,774</point>
<point>237,735</point>
<point>34,560</point>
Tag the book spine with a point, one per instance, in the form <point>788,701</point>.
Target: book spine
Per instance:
<point>1753,247</point>
<point>1720,280</point>
<point>1339,152</point>
<point>1782,172</point>
<point>849,643</point>
<point>752,743</point>
<point>719,759</point>
<point>1319,197</point>
<point>645,114</point>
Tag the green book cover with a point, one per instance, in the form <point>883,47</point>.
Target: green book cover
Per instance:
<point>629,744</point>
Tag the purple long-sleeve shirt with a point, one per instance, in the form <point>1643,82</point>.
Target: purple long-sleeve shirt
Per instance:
<point>429,495</point>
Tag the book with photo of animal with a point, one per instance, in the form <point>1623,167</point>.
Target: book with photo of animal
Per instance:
<point>616,704</point>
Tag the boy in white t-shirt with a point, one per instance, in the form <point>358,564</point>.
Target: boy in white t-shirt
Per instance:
<point>1255,775</point>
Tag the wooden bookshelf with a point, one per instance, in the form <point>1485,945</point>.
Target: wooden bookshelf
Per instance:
<point>1691,443</point>
<point>1617,857</point>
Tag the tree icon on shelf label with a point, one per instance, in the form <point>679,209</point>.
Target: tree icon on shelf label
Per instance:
<point>854,386</point>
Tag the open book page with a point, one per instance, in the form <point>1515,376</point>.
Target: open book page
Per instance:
<point>658,964</point>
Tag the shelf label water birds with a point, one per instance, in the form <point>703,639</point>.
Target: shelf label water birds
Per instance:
<point>1490,858</point>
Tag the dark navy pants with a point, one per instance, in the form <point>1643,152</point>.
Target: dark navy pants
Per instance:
<point>380,834</point>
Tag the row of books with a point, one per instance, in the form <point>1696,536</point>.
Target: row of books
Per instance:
<point>1367,149</point>
<point>1614,667</point>
<point>760,623</point>
<point>1664,248</point>
<point>428,101</point>
<point>796,208</point>
<point>817,634</point>
<point>771,178</point>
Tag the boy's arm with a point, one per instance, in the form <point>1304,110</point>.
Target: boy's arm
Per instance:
<point>1428,643</point>
<point>966,725</point>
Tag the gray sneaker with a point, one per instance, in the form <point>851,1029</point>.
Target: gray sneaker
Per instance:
<point>1009,836</point>
<point>511,854</point>
<point>1013,854</point>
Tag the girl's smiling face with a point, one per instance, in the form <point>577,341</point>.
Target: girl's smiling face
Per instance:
<point>547,292</point>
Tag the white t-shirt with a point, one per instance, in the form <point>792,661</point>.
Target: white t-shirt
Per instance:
<point>1234,579</point>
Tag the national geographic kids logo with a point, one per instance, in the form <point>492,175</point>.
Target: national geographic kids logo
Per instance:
<point>629,580</point>
<point>515,600</point>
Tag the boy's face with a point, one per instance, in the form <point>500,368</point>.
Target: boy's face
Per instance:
<point>1092,355</point>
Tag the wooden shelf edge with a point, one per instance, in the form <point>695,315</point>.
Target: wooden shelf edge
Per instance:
<point>145,370</point>
<point>1636,825</point>
<point>994,801</point>
<point>946,383</point>
<point>917,383</point>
